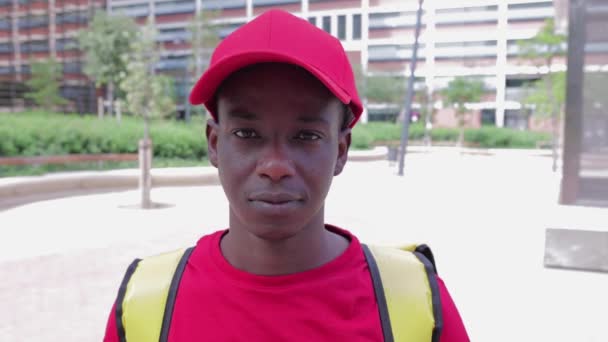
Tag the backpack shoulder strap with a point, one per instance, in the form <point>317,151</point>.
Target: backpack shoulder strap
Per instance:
<point>407,293</point>
<point>146,298</point>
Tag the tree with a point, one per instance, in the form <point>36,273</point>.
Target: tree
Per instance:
<point>104,42</point>
<point>427,110</point>
<point>545,102</point>
<point>204,37</point>
<point>385,89</point>
<point>147,94</point>
<point>44,84</point>
<point>542,50</point>
<point>460,91</point>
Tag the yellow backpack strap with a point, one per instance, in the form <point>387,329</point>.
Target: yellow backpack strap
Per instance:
<point>146,298</point>
<point>407,293</point>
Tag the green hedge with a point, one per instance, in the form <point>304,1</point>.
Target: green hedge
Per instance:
<point>364,136</point>
<point>34,133</point>
<point>37,133</point>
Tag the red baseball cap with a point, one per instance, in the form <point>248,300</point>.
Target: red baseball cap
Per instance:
<point>278,36</point>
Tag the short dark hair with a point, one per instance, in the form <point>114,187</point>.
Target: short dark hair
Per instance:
<point>347,117</point>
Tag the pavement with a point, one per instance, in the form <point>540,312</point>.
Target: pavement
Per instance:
<point>485,217</point>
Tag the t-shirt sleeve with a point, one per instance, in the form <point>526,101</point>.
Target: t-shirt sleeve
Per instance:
<point>453,328</point>
<point>111,330</point>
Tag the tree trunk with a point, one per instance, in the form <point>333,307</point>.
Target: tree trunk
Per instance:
<point>145,164</point>
<point>461,129</point>
<point>554,119</point>
<point>555,124</point>
<point>110,97</point>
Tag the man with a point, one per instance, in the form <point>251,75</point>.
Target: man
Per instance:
<point>283,100</point>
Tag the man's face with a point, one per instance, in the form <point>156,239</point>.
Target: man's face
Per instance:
<point>277,145</point>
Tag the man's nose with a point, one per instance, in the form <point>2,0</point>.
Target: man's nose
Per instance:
<point>275,163</point>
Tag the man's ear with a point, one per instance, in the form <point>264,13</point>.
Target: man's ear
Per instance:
<point>344,140</point>
<point>212,132</point>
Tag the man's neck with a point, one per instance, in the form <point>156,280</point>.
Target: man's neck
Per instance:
<point>312,247</point>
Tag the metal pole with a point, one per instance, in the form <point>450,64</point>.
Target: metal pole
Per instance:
<point>186,87</point>
<point>410,92</point>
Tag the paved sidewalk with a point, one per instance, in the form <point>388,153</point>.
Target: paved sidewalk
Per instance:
<point>61,261</point>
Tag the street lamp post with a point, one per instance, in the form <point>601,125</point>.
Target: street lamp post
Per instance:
<point>410,93</point>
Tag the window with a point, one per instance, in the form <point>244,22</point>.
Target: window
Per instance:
<point>488,117</point>
<point>67,44</point>
<point>5,24</point>
<point>35,46</point>
<point>357,26</point>
<point>313,20</point>
<point>327,24</point>
<point>532,5</point>
<point>174,7</point>
<point>72,67</point>
<point>342,27</point>
<point>33,21</point>
<point>222,4</point>
<point>465,10</point>
<point>273,2</point>
<point>75,17</point>
<point>6,47</point>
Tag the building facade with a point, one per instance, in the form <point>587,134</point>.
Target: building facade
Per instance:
<point>458,38</point>
<point>33,30</point>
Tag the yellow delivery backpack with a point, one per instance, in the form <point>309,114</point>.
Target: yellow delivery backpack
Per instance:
<point>405,284</point>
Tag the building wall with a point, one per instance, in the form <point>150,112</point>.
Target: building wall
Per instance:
<point>34,30</point>
<point>472,38</point>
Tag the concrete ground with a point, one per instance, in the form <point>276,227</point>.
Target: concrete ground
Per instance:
<point>61,261</point>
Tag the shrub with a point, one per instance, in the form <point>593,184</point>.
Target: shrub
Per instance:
<point>35,133</point>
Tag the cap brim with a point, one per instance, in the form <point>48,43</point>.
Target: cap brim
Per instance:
<point>205,88</point>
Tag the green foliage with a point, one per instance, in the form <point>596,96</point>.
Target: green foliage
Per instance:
<point>548,95</point>
<point>203,37</point>
<point>462,90</point>
<point>383,133</point>
<point>44,84</point>
<point>107,39</point>
<point>496,137</point>
<point>37,133</point>
<point>148,94</point>
<point>385,89</point>
<point>545,45</point>
<point>381,89</point>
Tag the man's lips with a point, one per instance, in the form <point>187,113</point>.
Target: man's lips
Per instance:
<point>274,197</point>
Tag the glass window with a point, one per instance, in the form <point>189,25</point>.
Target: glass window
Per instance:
<point>342,27</point>
<point>327,24</point>
<point>6,47</point>
<point>5,24</point>
<point>313,20</point>
<point>357,26</point>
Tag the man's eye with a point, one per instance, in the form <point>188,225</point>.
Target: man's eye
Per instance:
<point>246,133</point>
<point>308,136</point>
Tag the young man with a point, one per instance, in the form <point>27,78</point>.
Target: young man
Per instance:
<point>283,100</point>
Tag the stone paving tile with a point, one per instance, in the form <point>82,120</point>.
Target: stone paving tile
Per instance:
<point>61,261</point>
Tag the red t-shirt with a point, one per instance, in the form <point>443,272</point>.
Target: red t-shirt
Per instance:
<point>334,302</point>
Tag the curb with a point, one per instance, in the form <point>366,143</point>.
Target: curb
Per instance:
<point>20,190</point>
<point>26,189</point>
